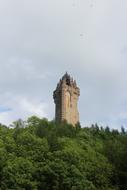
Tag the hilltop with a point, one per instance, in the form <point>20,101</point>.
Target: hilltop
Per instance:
<point>44,155</point>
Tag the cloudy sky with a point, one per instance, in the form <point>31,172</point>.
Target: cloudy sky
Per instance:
<point>41,39</point>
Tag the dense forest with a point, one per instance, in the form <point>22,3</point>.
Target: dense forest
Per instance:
<point>43,155</point>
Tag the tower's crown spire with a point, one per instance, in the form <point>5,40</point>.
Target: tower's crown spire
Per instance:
<point>66,76</point>
<point>68,80</point>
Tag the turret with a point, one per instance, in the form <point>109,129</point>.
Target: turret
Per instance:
<point>66,99</point>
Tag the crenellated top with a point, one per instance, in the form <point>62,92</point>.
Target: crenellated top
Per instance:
<point>68,80</point>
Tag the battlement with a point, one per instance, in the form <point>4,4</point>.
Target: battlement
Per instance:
<point>68,80</point>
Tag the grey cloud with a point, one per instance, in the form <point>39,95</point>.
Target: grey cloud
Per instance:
<point>42,39</point>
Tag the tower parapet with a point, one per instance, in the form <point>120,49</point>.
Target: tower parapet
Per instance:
<point>66,98</point>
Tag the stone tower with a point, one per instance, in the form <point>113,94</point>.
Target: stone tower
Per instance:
<point>66,99</point>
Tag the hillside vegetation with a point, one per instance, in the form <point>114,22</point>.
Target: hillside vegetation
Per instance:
<point>46,156</point>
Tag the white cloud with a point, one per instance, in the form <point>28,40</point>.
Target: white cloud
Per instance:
<point>33,108</point>
<point>22,108</point>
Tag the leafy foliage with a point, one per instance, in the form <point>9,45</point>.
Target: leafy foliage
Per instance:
<point>46,155</point>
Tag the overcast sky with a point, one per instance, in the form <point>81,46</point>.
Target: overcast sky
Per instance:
<point>41,39</point>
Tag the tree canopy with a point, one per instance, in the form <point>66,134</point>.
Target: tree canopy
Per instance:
<point>42,155</point>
